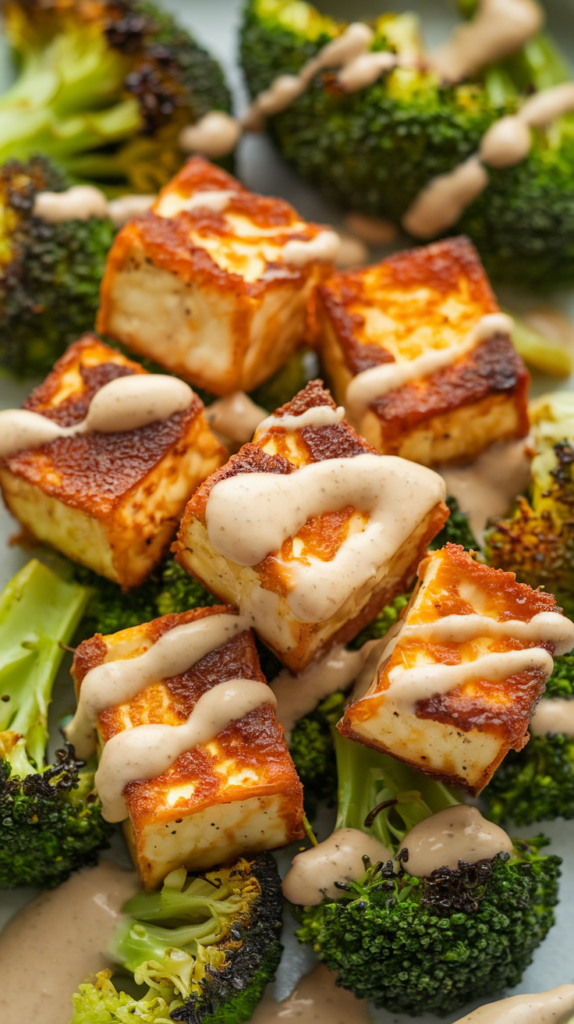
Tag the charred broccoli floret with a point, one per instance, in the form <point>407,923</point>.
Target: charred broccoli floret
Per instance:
<point>313,752</point>
<point>49,273</point>
<point>104,88</point>
<point>375,149</point>
<point>50,817</point>
<point>536,541</point>
<point>425,945</point>
<point>537,784</point>
<point>456,530</point>
<point>204,947</point>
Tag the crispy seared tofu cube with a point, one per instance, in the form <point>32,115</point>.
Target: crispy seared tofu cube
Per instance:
<point>324,582</point>
<point>238,794</point>
<point>454,691</point>
<point>206,287</point>
<point>401,310</point>
<point>111,501</point>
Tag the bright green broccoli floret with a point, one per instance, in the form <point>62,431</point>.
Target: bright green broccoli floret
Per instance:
<point>375,149</point>
<point>205,947</point>
<point>313,752</point>
<point>425,945</point>
<point>50,817</point>
<point>456,530</point>
<point>537,783</point>
<point>49,273</point>
<point>380,626</point>
<point>105,89</point>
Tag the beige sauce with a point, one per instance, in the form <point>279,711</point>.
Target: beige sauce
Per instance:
<point>315,1000</point>
<point>125,208</point>
<point>506,142</point>
<point>457,833</point>
<point>339,859</point>
<point>272,507</point>
<point>124,404</point>
<point>371,230</point>
<point>488,486</point>
<point>235,418</point>
<point>545,106</point>
<point>216,199</point>
<point>366,387</point>
<point>77,203</point>
<point>352,253</point>
<point>116,682</point>
<point>366,69</point>
<point>319,416</point>
<point>550,627</point>
<point>441,203</point>
<point>499,28</point>
<point>553,714</point>
<point>323,248</point>
<point>147,751</point>
<point>553,1007</point>
<point>215,135</point>
<point>59,940</point>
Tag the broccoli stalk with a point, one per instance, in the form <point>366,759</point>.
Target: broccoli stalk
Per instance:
<point>425,945</point>
<point>204,947</point>
<point>104,89</point>
<point>50,817</point>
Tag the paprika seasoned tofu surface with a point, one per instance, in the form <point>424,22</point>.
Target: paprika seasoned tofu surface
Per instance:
<point>214,283</point>
<point>308,530</point>
<point>231,787</point>
<point>108,498</point>
<point>455,688</point>
<point>419,354</point>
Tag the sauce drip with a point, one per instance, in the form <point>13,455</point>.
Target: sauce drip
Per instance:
<point>272,507</point>
<point>550,627</point>
<point>61,937</point>
<point>442,202</point>
<point>457,833</point>
<point>323,248</point>
<point>339,859</point>
<point>215,135</point>
<point>122,405</point>
<point>125,208</point>
<point>235,418</point>
<point>555,715</point>
<point>216,199</point>
<point>317,417</point>
<point>116,682</point>
<point>80,202</point>
<point>316,1000</point>
<point>499,28</point>
<point>553,1007</point>
<point>488,486</point>
<point>148,751</point>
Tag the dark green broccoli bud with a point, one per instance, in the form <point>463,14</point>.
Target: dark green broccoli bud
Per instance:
<point>312,749</point>
<point>50,817</point>
<point>375,149</point>
<point>49,273</point>
<point>205,947</point>
<point>288,381</point>
<point>105,89</point>
<point>537,784</point>
<point>425,945</point>
<point>456,530</point>
<point>380,626</point>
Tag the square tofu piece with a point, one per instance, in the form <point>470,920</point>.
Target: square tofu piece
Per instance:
<point>308,530</point>
<point>111,501</point>
<point>214,283</point>
<point>414,353</point>
<point>237,794</point>
<point>455,689</point>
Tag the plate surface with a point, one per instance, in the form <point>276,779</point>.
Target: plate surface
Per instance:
<point>215,23</point>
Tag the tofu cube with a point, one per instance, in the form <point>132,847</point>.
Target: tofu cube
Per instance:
<point>318,558</point>
<point>207,287</point>
<point>111,501</point>
<point>238,794</point>
<point>450,707</point>
<point>405,308</point>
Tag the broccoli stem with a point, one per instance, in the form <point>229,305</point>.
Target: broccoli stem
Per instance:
<point>39,613</point>
<point>368,778</point>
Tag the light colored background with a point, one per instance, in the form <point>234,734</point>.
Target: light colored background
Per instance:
<point>215,23</point>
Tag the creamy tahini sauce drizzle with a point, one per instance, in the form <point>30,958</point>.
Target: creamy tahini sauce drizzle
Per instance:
<point>553,714</point>
<point>115,682</point>
<point>323,247</point>
<point>147,751</point>
<point>215,135</point>
<point>553,1007</point>
<point>316,1000</point>
<point>499,28</point>
<point>124,404</point>
<point>216,199</point>
<point>83,201</point>
<point>550,627</point>
<point>61,937</point>
<point>487,486</point>
<point>319,416</point>
<point>366,387</point>
<point>339,859</point>
<point>272,507</point>
<point>457,833</point>
<point>235,418</point>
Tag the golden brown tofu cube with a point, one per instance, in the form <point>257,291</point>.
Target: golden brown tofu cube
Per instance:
<point>206,287</point>
<point>402,310</point>
<point>111,501</point>
<point>455,689</point>
<point>238,794</point>
<point>324,582</point>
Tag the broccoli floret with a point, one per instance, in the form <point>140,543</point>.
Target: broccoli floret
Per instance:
<point>425,945</point>
<point>49,273</point>
<point>374,150</point>
<point>50,817</point>
<point>537,784</point>
<point>380,626</point>
<point>536,541</point>
<point>205,947</point>
<point>288,381</point>
<point>105,89</point>
<point>313,752</point>
<point>456,530</point>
